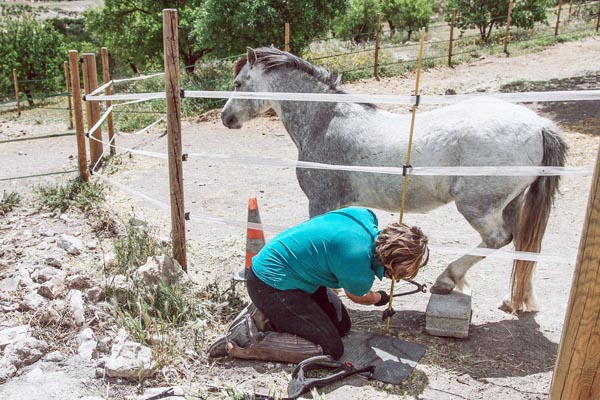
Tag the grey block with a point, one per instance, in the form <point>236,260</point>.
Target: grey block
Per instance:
<point>448,315</point>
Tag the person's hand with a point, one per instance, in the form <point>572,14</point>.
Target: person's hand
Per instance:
<point>385,298</point>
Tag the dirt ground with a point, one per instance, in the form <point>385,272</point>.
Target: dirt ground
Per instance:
<point>505,356</point>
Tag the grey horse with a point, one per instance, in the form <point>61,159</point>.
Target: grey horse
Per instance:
<point>471,133</point>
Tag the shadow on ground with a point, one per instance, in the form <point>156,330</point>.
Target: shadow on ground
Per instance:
<point>581,116</point>
<point>508,348</point>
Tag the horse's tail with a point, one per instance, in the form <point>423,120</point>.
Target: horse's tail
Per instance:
<point>533,221</point>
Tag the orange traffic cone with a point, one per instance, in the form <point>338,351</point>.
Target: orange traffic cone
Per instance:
<point>255,238</point>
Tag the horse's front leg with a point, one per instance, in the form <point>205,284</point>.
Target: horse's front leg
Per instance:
<point>454,275</point>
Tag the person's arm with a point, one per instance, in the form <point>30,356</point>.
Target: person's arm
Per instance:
<point>371,298</point>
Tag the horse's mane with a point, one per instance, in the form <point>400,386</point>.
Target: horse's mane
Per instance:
<point>271,59</point>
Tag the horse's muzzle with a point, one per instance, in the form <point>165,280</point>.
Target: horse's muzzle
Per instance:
<point>230,121</point>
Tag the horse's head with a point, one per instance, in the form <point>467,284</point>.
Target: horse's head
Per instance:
<point>248,78</point>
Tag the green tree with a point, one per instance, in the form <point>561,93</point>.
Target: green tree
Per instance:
<point>35,49</point>
<point>229,26</point>
<point>359,20</point>
<point>487,14</point>
<point>407,14</point>
<point>132,31</point>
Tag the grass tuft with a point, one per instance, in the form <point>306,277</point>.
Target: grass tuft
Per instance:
<point>133,249</point>
<point>9,201</point>
<point>76,193</point>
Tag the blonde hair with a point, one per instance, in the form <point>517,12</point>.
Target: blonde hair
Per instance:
<point>402,250</point>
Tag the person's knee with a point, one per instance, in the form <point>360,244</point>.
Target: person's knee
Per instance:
<point>334,348</point>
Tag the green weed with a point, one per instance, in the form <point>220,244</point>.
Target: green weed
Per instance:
<point>9,201</point>
<point>133,249</point>
<point>76,193</point>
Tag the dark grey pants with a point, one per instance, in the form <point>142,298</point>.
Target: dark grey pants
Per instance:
<point>319,317</point>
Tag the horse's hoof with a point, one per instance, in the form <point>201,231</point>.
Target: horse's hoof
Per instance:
<point>440,289</point>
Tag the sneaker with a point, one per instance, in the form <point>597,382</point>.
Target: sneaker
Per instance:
<point>260,320</point>
<point>239,332</point>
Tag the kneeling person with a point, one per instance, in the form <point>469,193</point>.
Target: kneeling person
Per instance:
<point>292,277</point>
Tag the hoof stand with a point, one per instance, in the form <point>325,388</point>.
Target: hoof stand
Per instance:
<point>448,315</point>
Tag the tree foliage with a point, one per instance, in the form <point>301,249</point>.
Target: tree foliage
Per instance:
<point>35,49</point>
<point>487,14</point>
<point>132,31</point>
<point>407,14</point>
<point>227,27</point>
<point>359,21</point>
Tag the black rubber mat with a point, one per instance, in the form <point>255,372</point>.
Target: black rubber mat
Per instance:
<point>393,358</point>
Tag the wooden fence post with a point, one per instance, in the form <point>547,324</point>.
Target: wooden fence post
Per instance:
<point>451,37</point>
<point>570,6</point>
<point>109,119</point>
<point>17,92</point>
<point>171,50</point>
<point>577,370</point>
<point>560,3</point>
<point>68,87</point>
<point>377,39</point>
<point>287,37</point>
<point>508,20</point>
<point>79,128</point>
<point>598,20</point>
<point>92,108</point>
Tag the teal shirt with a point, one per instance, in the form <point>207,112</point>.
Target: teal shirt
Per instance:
<point>336,250</point>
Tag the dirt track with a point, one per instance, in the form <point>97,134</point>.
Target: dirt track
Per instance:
<point>505,356</point>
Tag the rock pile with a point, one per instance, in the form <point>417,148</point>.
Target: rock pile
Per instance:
<point>49,289</point>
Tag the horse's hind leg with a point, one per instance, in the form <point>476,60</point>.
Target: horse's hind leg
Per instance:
<point>496,226</point>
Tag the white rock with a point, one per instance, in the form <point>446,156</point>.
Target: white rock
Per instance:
<point>10,284</point>
<point>92,245</point>
<point>11,335</point>
<point>175,391</point>
<point>48,232</point>
<point>42,275</point>
<point>128,359</point>
<point>55,356</point>
<point>53,262</point>
<point>87,344</point>
<point>163,267</point>
<point>52,289</point>
<point>70,244</point>
<point>77,307</point>
<point>32,301</point>
<point>19,354</point>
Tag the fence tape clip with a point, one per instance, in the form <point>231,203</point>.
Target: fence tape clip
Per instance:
<point>417,99</point>
<point>181,93</point>
<point>187,216</point>
<point>184,157</point>
<point>405,169</point>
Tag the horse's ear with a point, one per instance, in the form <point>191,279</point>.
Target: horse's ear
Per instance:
<point>251,56</point>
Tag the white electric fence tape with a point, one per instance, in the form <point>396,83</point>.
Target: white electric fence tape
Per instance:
<point>578,95</point>
<point>415,171</point>
<point>144,130</point>
<point>162,156</point>
<point>138,78</point>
